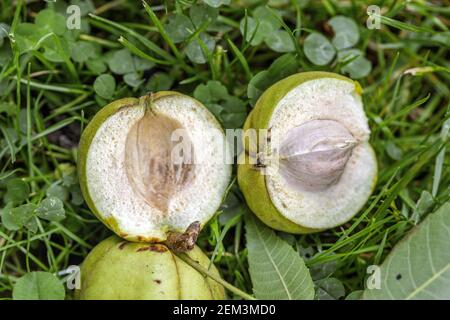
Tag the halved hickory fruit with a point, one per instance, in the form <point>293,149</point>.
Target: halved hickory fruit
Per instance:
<point>323,169</point>
<point>151,167</point>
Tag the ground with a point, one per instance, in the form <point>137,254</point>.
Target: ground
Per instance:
<point>56,71</point>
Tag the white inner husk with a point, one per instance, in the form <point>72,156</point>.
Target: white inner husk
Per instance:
<point>113,194</point>
<point>326,99</point>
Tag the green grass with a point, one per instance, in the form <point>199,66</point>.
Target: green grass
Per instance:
<point>47,97</point>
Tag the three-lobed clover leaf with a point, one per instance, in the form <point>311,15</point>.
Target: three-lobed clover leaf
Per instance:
<point>229,110</point>
<point>346,33</point>
<point>181,28</point>
<point>318,49</point>
<point>265,26</point>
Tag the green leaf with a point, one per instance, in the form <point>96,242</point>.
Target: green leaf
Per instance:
<point>257,85</point>
<point>423,205</point>
<point>17,191</point>
<point>82,51</point>
<point>58,191</point>
<point>212,91</point>
<point>38,286</point>
<point>216,3</point>
<point>4,31</point>
<point>31,224</point>
<point>419,266</point>
<point>194,50</point>
<point>51,21</point>
<point>67,173</point>
<point>280,41</point>
<point>56,52</point>
<point>7,219</point>
<point>16,218</point>
<point>200,14</point>
<point>5,55</point>
<point>394,151</point>
<point>133,79</point>
<point>76,196</point>
<point>97,66</point>
<point>264,26</point>
<point>234,113</point>
<point>178,27</point>
<point>302,3</point>
<point>318,49</point>
<point>28,36</point>
<point>329,289</point>
<point>142,64</point>
<point>159,81</point>
<point>266,17</point>
<point>323,270</point>
<point>229,110</point>
<point>276,269</point>
<point>282,67</point>
<point>100,101</point>
<point>105,85</point>
<point>8,107</point>
<point>121,62</point>
<point>51,209</point>
<point>358,66</point>
<point>346,33</point>
<point>355,295</point>
<point>255,32</point>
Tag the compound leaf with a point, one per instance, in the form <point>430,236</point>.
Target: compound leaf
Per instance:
<point>419,266</point>
<point>277,270</point>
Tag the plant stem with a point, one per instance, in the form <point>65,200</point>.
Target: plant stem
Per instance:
<point>199,268</point>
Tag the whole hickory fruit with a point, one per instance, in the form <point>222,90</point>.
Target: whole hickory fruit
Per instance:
<point>120,270</point>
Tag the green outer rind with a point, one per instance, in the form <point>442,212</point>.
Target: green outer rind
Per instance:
<point>251,182</point>
<point>116,269</point>
<point>86,139</point>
